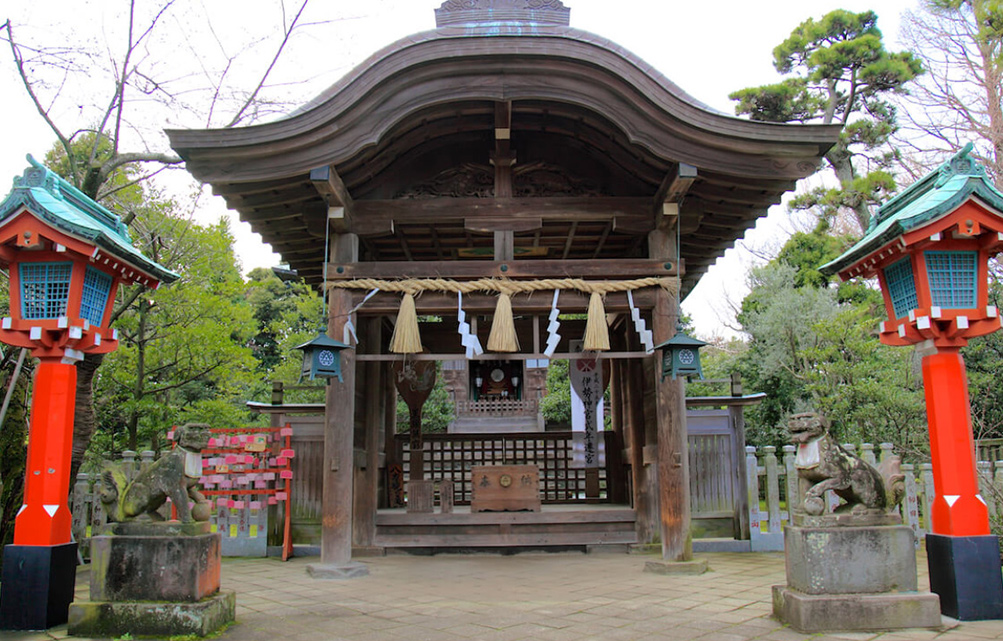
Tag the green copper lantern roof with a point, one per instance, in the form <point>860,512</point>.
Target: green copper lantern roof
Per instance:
<point>66,208</point>
<point>681,340</point>
<point>321,341</point>
<point>938,193</point>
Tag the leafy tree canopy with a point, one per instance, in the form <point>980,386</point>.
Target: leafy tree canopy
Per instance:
<point>840,72</point>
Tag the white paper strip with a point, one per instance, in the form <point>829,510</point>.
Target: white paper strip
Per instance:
<point>349,332</point>
<point>647,339</point>
<point>553,338</point>
<point>467,339</point>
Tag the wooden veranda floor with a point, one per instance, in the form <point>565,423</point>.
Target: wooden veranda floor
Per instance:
<point>554,526</point>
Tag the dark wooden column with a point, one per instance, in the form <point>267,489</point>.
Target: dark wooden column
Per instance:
<point>615,474</point>
<point>339,432</point>
<point>644,452</point>
<point>392,454</point>
<point>673,457</point>
<point>367,474</point>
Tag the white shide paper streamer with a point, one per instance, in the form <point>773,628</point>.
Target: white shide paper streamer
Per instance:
<point>647,339</point>
<point>468,340</point>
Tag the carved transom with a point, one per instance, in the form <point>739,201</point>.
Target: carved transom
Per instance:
<point>536,179</point>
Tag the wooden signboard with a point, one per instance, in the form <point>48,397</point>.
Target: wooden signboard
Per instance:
<point>505,488</point>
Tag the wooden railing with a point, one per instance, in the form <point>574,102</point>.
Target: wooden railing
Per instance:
<point>449,457</point>
<point>496,407</point>
<point>773,483</point>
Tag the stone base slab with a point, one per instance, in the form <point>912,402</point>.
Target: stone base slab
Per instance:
<point>810,613</point>
<point>160,619</point>
<point>850,560</point>
<point>696,566</point>
<point>336,571</point>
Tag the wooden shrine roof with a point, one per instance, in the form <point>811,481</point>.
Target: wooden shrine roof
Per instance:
<point>401,149</point>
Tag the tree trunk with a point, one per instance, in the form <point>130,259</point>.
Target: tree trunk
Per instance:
<point>13,456</point>
<point>84,418</point>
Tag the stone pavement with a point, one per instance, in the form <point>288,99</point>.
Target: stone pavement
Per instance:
<point>532,596</point>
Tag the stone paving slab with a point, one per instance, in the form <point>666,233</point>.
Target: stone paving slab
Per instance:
<point>533,596</point>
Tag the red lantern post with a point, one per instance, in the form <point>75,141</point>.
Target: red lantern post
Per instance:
<point>929,248</point>
<point>66,256</point>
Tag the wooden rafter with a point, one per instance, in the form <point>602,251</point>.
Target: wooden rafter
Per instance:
<point>332,189</point>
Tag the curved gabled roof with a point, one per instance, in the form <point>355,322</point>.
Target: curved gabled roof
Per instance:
<point>58,203</point>
<point>939,193</point>
<point>427,104</point>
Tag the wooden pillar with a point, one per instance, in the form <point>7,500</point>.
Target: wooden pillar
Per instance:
<point>644,454</point>
<point>392,456</point>
<point>367,477</point>
<point>615,475</point>
<point>673,457</point>
<point>339,433</point>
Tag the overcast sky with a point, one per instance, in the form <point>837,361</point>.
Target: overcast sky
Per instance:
<point>708,48</point>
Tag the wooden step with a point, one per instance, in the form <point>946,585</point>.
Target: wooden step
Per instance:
<point>506,529</point>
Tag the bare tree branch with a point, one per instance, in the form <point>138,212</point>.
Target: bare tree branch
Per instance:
<point>254,94</point>
<point>42,111</point>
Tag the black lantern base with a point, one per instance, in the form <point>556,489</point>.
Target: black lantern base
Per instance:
<point>965,572</point>
<point>37,585</point>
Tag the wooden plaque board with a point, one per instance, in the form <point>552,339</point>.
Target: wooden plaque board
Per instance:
<point>505,488</point>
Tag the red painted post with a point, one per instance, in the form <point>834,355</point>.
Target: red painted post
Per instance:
<point>45,517</point>
<point>959,510</point>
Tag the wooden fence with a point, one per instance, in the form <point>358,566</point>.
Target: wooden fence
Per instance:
<point>449,457</point>
<point>773,480</point>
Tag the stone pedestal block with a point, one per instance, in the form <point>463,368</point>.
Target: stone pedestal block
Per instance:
<point>852,578</point>
<point>37,585</point>
<point>965,572</point>
<point>850,560</point>
<point>172,568</point>
<point>154,579</point>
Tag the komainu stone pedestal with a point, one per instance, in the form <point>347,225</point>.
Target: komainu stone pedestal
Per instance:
<point>158,579</point>
<point>852,578</point>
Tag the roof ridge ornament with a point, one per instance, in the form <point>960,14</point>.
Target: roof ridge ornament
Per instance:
<point>476,12</point>
<point>959,164</point>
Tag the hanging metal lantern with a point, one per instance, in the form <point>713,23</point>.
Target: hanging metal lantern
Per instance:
<point>322,358</point>
<point>681,356</point>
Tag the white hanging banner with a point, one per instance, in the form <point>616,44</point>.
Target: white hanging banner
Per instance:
<point>553,338</point>
<point>349,332</point>
<point>647,339</point>
<point>467,339</point>
<point>587,387</point>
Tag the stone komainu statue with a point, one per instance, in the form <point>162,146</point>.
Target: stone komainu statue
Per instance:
<point>175,476</point>
<point>822,465</point>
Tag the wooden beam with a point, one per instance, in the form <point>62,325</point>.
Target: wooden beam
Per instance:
<point>602,239</point>
<point>496,224</point>
<point>570,241</point>
<point>675,185</point>
<point>340,205</point>
<point>623,269</point>
<point>435,303</point>
<point>558,356</point>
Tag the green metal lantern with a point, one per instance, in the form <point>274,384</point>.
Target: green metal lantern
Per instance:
<point>322,358</point>
<point>681,356</point>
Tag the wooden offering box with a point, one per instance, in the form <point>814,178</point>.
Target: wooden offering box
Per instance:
<point>505,488</point>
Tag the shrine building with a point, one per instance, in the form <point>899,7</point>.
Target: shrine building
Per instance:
<point>509,176</point>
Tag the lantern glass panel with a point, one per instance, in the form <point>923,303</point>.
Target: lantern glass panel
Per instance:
<point>952,278</point>
<point>45,288</point>
<point>901,287</point>
<point>97,286</point>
